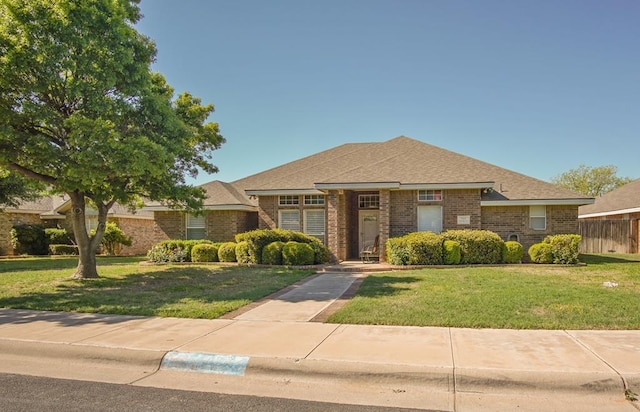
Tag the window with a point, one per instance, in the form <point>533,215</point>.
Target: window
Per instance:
<point>195,227</point>
<point>430,195</point>
<point>289,200</point>
<point>430,218</point>
<point>314,223</point>
<point>289,219</point>
<point>314,200</point>
<point>91,222</point>
<point>369,201</point>
<point>538,217</point>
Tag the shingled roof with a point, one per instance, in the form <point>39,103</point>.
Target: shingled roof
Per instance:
<point>403,163</point>
<point>625,199</point>
<point>220,196</point>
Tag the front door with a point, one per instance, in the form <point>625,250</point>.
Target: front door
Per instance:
<point>369,227</point>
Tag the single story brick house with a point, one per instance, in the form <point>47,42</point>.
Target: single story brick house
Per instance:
<point>612,222</point>
<point>351,194</point>
<point>52,212</point>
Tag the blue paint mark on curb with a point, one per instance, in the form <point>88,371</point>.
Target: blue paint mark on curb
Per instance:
<point>205,363</point>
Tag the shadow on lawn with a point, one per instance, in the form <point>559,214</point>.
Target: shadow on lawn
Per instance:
<point>143,294</point>
<point>374,286</point>
<point>600,259</point>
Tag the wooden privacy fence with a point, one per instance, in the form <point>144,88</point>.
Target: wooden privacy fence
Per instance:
<point>602,236</point>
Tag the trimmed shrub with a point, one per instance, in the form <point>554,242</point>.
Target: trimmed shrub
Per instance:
<point>173,250</point>
<point>29,239</point>
<point>227,252</point>
<point>397,251</point>
<point>113,238</point>
<point>258,239</point>
<point>425,248</point>
<point>205,252</point>
<point>477,246</point>
<point>242,252</point>
<point>564,248</point>
<point>58,236</point>
<point>272,253</point>
<point>540,253</point>
<point>297,254</point>
<point>512,252</point>
<point>63,250</point>
<point>452,254</point>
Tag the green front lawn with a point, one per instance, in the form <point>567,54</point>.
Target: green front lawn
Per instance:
<point>519,297</point>
<point>126,287</point>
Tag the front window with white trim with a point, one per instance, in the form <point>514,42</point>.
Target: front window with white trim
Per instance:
<point>314,223</point>
<point>195,226</point>
<point>429,195</point>
<point>538,217</point>
<point>288,200</point>
<point>430,219</point>
<point>311,200</point>
<point>289,219</point>
<point>369,201</point>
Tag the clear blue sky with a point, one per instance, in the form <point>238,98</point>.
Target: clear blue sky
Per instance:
<point>537,86</point>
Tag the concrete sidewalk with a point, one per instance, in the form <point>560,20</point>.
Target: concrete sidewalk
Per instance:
<point>270,352</point>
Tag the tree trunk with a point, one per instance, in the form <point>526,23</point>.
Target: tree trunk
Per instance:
<point>87,267</point>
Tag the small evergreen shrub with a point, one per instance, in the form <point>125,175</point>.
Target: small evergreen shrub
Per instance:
<point>29,239</point>
<point>63,250</point>
<point>242,253</point>
<point>173,250</point>
<point>258,239</point>
<point>452,254</point>
<point>227,252</point>
<point>477,246</point>
<point>272,253</point>
<point>205,252</point>
<point>58,236</point>
<point>113,238</point>
<point>512,252</point>
<point>540,253</point>
<point>425,248</point>
<point>297,254</point>
<point>564,248</point>
<point>397,251</point>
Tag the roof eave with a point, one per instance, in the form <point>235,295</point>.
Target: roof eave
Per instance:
<point>239,208</point>
<point>538,202</point>
<point>282,192</point>
<point>610,212</point>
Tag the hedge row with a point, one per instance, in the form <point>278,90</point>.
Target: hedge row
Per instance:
<point>451,248</point>
<point>559,249</point>
<point>269,246</point>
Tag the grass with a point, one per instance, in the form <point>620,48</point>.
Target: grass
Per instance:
<point>128,288</point>
<point>518,297</point>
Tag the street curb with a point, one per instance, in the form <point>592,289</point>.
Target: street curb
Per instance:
<point>205,363</point>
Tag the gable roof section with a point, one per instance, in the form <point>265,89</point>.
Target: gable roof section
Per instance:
<point>220,196</point>
<point>404,163</point>
<point>625,199</point>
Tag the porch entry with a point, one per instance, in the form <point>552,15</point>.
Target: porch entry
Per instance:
<point>368,226</point>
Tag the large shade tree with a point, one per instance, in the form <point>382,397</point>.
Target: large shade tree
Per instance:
<point>591,181</point>
<point>82,112</point>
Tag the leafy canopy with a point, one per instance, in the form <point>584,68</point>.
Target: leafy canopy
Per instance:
<point>591,181</point>
<point>81,110</point>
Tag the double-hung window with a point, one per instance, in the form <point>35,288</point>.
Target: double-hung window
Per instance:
<point>538,217</point>
<point>195,226</point>
<point>314,223</point>
<point>289,219</point>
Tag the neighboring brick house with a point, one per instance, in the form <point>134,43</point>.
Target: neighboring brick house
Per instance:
<point>348,195</point>
<point>51,212</point>
<point>612,223</point>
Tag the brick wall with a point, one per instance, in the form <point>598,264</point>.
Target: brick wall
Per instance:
<point>5,235</point>
<point>169,225</point>
<point>223,225</point>
<point>268,212</point>
<point>337,225</point>
<point>463,202</point>
<point>142,232</point>
<point>403,212</point>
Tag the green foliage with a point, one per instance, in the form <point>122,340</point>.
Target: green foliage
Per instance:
<point>258,239</point>
<point>272,253</point>
<point>591,181</point>
<point>242,252</point>
<point>297,254</point>
<point>227,252</point>
<point>82,111</point>
<point>205,252</point>
<point>452,253</point>
<point>29,239</point>
<point>113,237</point>
<point>58,236</point>
<point>173,250</point>
<point>564,248</point>
<point>397,251</point>
<point>512,252</point>
<point>477,246</point>
<point>63,249</point>
<point>540,253</point>
<point>14,188</point>
<point>425,248</point>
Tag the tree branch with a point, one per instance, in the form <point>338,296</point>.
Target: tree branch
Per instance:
<point>34,175</point>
